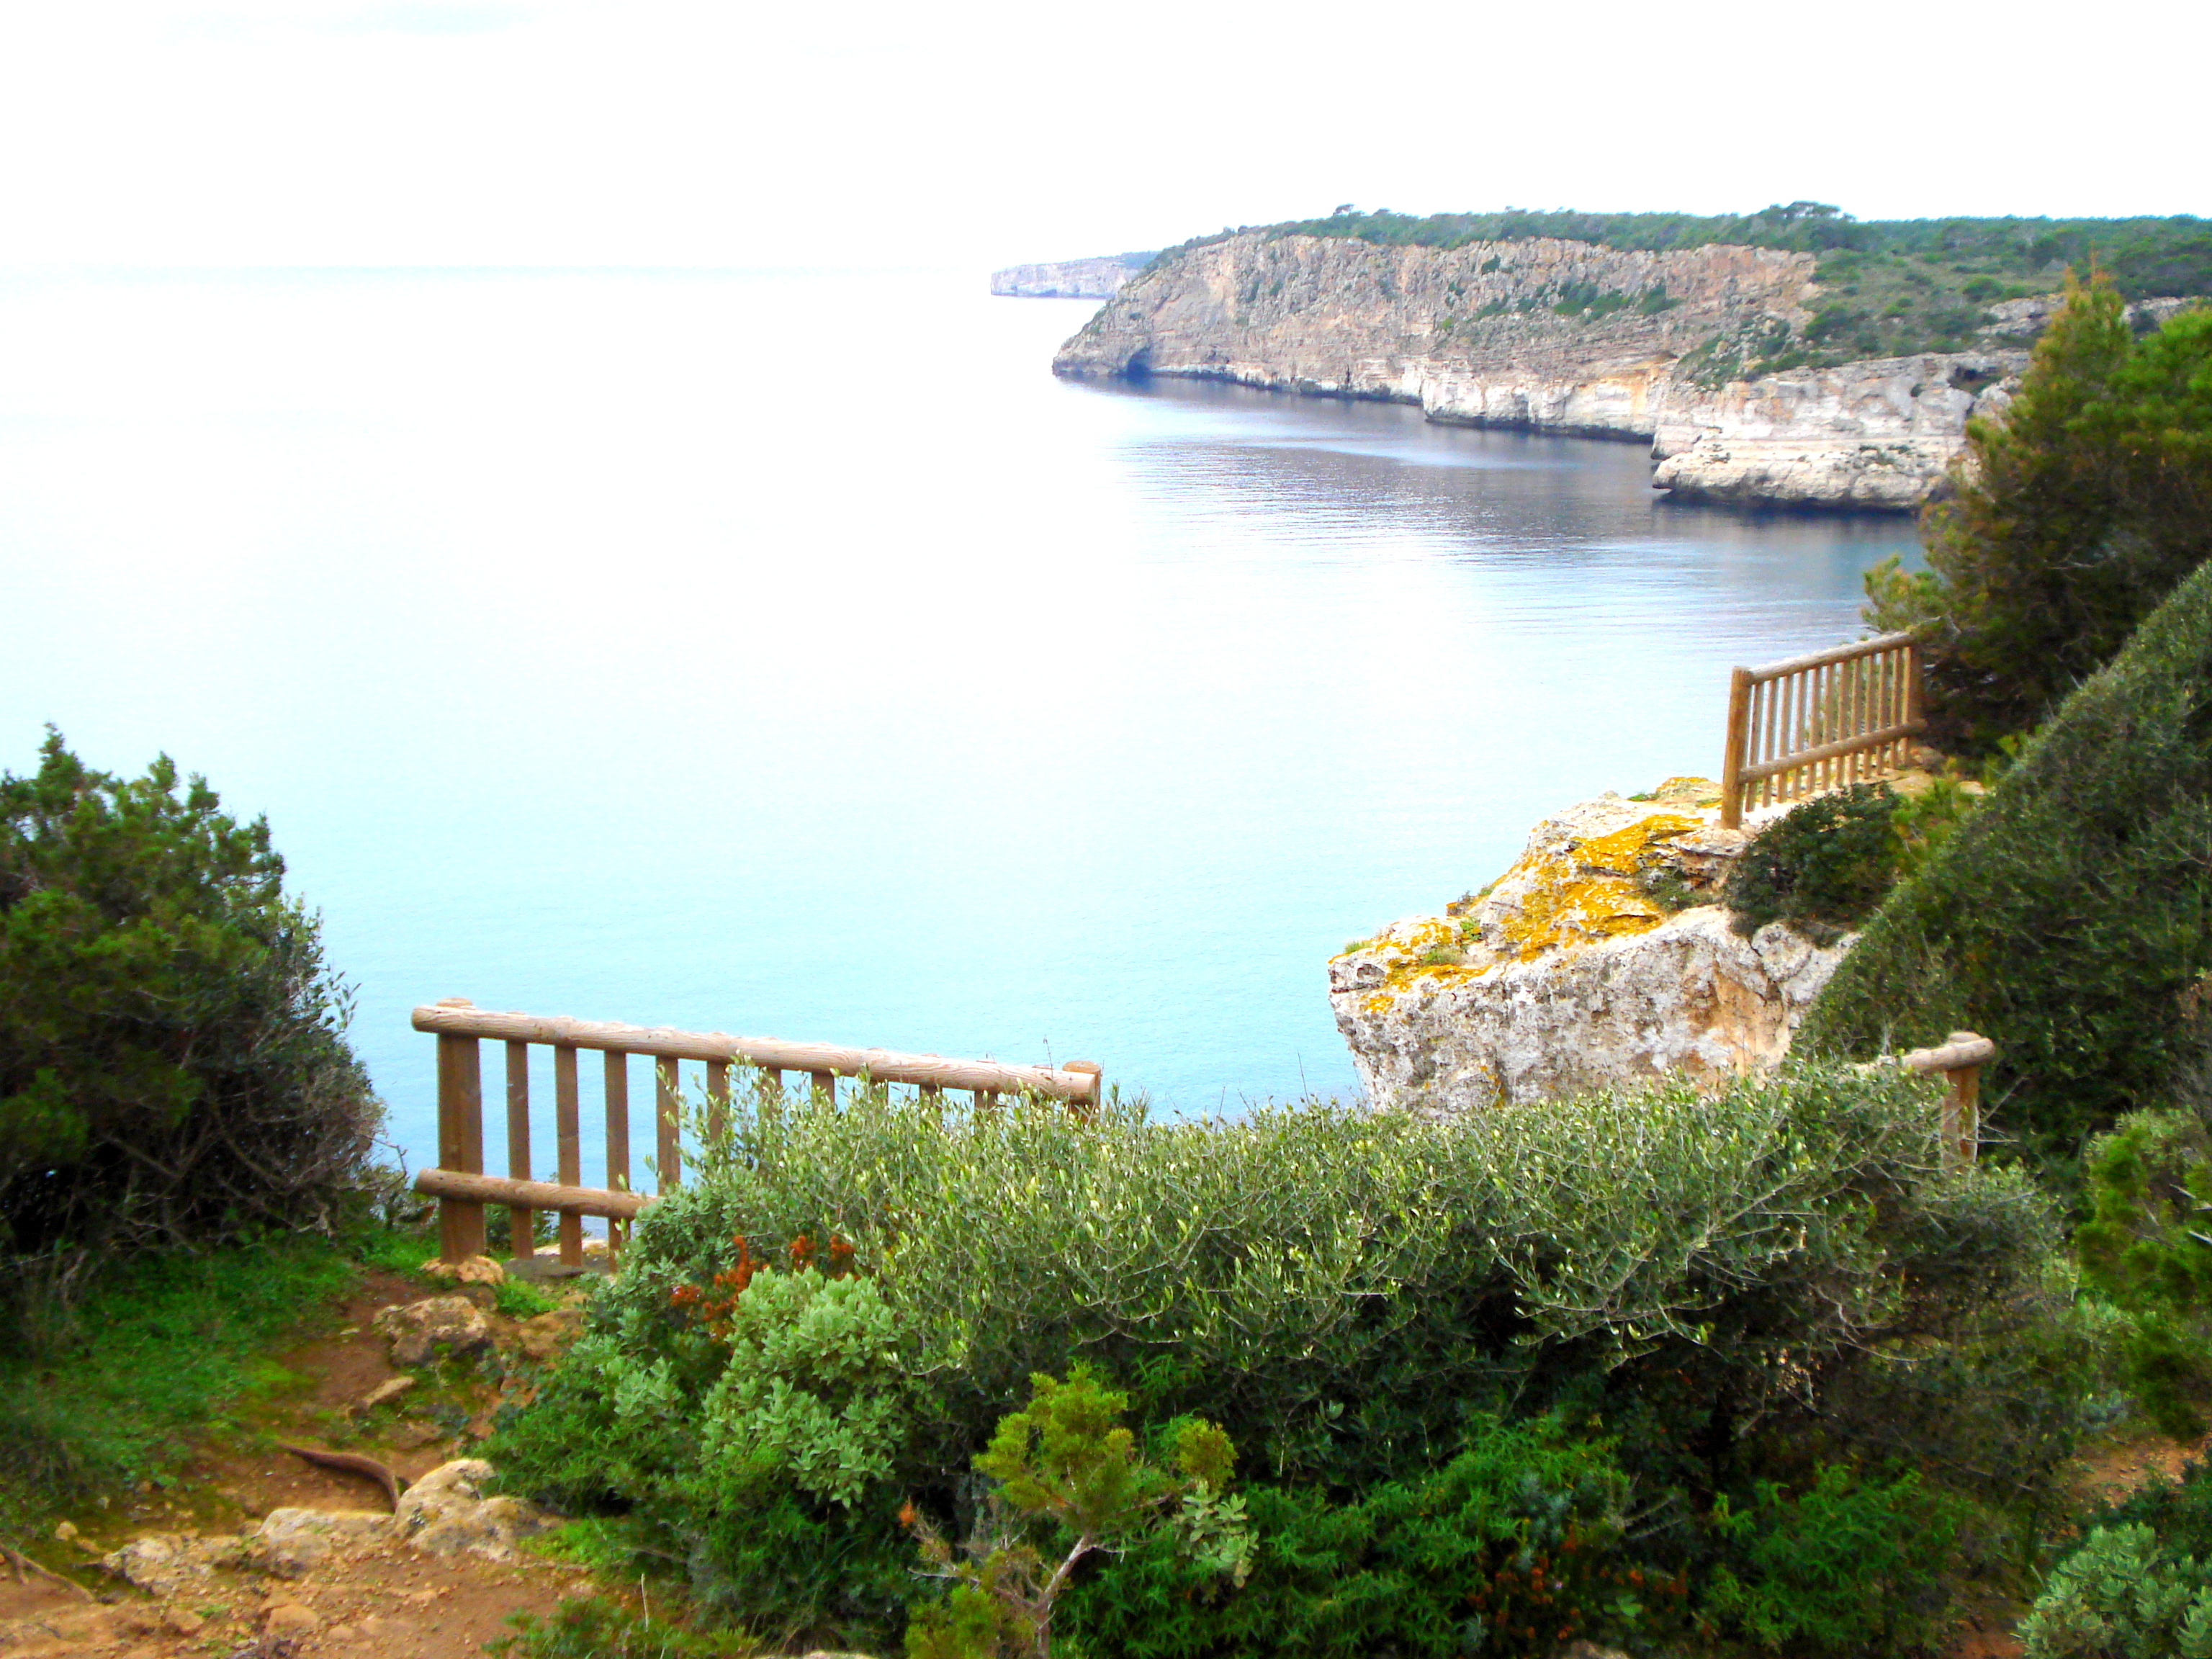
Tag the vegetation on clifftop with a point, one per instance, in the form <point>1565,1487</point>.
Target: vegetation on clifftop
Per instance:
<point>2143,256</point>
<point>1885,287</point>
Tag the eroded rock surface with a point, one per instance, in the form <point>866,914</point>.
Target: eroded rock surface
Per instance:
<point>1599,959</point>
<point>1545,335</point>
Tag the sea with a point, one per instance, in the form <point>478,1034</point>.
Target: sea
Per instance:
<point>790,653</point>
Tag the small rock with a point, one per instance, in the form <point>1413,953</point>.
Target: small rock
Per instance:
<point>66,1531</point>
<point>288,1618</point>
<point>384,1393</point>
<point>342,1633</point>
<point>182,1621</point>
<point>448,1324</point>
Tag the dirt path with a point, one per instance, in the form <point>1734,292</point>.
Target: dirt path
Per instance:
<point>382,1599</point>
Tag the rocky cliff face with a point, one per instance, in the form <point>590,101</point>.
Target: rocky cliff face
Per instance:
<point>1564,336</point>
<point>1572,973</point>
<point>1068,279</point>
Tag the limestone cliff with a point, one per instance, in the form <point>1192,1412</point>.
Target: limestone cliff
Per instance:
<point>1574,972</point>
<point>1564,336</point>
<point>1066,279</point>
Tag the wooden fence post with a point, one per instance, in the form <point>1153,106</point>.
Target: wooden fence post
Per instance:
<point>1962,1099</point>
<point>1097,1088</point>
<point>460,1140</point>
<point>1732,757</point>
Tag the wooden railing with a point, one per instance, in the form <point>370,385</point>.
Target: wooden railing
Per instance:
<point>1819,722</point>
<point>463,1189</point>
<point>1960,1058</point>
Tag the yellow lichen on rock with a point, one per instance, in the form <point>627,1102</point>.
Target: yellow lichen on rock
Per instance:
<point>1626,850</point>
<point>1588,891</point>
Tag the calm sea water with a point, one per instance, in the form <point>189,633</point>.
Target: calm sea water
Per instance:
<point>789,653</point>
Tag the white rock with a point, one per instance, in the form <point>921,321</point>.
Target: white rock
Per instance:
<point>1565,976</point>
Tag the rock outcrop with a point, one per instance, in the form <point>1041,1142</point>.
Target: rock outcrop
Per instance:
<point>1597,960</point>
<point>1550,335</point>
<point>1066,279</point>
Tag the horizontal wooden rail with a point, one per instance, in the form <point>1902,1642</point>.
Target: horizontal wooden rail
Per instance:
<point>1077,1082</point>
<point>1818,721</point>
<point>531,1194</point>
<point>463,1189</point>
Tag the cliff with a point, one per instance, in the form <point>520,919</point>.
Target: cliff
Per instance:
<point>1573,971</point>
<point>1068,279</point>
<point>1546,335</point>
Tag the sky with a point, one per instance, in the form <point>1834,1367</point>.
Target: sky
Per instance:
<point>882,132</point>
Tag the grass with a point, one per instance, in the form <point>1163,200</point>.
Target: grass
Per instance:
<point>162,1352</point>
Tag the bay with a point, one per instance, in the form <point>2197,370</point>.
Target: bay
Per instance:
<point>788,652</point>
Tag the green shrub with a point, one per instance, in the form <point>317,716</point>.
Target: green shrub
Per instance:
<point>2121,1595</point>
<point>2144,1246</point>
<point>1069,1481</point>
<point>2072,518</point>
<point>1511,1549</point>
<point>1849,1566</point>
<point>1822,866</point>
<point>2178,1511</point>
<point>1336,1287</point>
<point>2066,918</point>
<point>171,1066</point>
<point>1825,866</point>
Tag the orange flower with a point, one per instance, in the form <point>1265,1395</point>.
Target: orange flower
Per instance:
<point>907,1514</point>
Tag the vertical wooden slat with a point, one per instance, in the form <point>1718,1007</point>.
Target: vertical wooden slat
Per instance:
<point>987,1100</point>
<point>1732,754</point>
<point>668,1141</point>
<point>460,1144</point>
<point>718,1101</point>
<point>521,1225</point>
<point>568,1140</point>
<point>827,1083</point>
<point>617,1076</point>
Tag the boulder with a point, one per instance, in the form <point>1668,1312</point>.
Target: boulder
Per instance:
<point>290,1542</point>
<point>1599,959</point>
<point>445,1513</point>
<point>436,1327</point>
<point>163,1563</point>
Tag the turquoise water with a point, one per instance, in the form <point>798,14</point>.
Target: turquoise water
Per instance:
<point>790,653</point>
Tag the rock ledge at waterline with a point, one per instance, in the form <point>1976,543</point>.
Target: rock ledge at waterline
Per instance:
<point>1565,975</point>
<point>1474,336</point>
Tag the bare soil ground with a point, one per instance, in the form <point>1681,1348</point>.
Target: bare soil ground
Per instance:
<point>385,1601</point>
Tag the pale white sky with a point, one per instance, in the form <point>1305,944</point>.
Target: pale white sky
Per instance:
<point>675,132</point>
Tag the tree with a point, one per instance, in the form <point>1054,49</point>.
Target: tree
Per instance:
<point>2073,516</point>
<point>173,1067</point>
